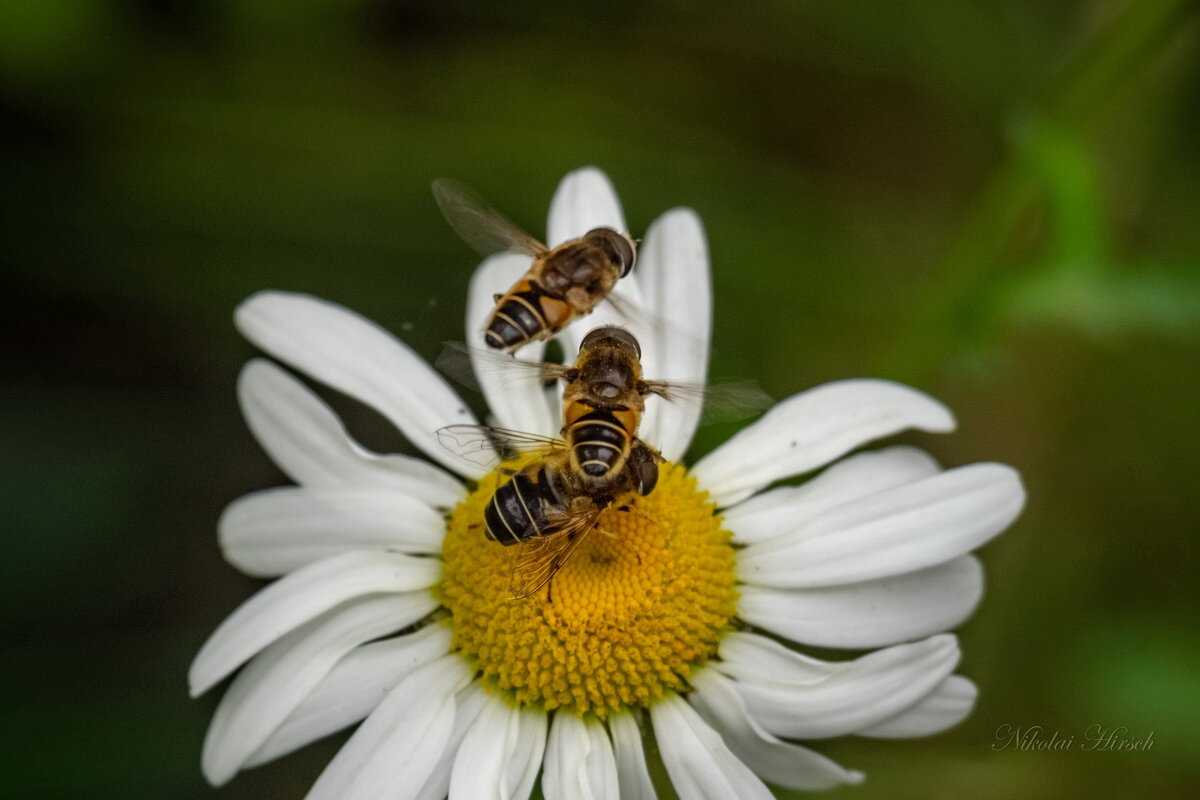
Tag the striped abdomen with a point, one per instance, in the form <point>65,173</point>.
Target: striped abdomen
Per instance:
<point>599,440</point>
<point>526,313</point>
<point>517,511</point>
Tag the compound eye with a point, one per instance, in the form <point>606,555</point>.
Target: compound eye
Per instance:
<point>612,334</point>
<point>618,248</point>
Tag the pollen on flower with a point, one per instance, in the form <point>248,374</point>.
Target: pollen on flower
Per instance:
<point>638,607</point>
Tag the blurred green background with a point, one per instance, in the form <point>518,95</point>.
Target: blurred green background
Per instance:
<point>994,201</point>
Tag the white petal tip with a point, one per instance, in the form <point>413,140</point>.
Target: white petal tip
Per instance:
<point>588,172</point>
<point>261,307</point>
<point>1018,487</point>
<point>198,681</point>
<point>680,214</point>
<point>217,775</point>
<point>257,371</point>
<point>939,418</point>
<point>585,199</point>
<point>255,301</point>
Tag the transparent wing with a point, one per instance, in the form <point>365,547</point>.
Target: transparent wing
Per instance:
<point>488,447</point>
<point>642,321</point>
<point>721,402</point>
<point>462,362</point>
<point>536,560</point>
<point>484,228</point>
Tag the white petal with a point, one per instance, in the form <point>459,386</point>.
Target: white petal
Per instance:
<point>275,531</point>
<point>891,533</point>
<point>393,753</point>
<point>623,308</point>
<point>862,693</point>
<point>673,276</point>
<point>353,688</point>
<point>585,199</point>
<point>811,429</point>
<point>296,598</point>
<point>786,508</point>
<point>353,355</point>
<point>788,765</point>
<point>943,708</point>
<point>501,753</point>
<point>701,766</point>
<point>469,702</point>
<point>515,397</point>
<point>750,657</point>
<point>579,761</point>
<point>481,762</point>
<point>527,754</point>
<point>633,778</point>
<point>275,682</point>
<point>304,437</point>
<point>869,614</point>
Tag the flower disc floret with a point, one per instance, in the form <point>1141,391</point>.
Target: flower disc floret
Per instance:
<point>639,606</point>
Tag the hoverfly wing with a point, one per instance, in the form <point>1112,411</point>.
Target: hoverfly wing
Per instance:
<point>537,560</point>
<point>455,361</point>
<point>464,363</point>
<point>721,402</point>
<point>649,326</point>
<point>488,446</point>
<point>484,228</point>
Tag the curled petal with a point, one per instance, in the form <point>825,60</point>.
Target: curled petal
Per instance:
<point>305,438</point>
<point>749,657</point>
<point>869,614</point>
<point>353,355</point>
<point>788,765</point>
<point>782,510</point>
<point>394,752</point>
<point>579,761</point>
<point>469,702</point>
<point>633,778</point>
<point>908,528</point>
<point>352,689</point>
<point>296,598</point>
<point>943,708</point>
<point>811,429</point>
<point>275,682</point>
<point>699,762</point>
<point>500,754</point>
<point>861,693</point>
<point>276,531</point>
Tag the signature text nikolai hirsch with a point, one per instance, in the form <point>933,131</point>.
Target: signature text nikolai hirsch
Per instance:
<point>1097,738</point>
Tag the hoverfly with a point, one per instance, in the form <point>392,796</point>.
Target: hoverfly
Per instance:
<point>560,285</point>
<point>547,508</point>
<point>561,493</point>
<point>604,394</point>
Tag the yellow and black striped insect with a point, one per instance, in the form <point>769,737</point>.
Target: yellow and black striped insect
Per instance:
<point>560,285</point>
<point>547,508</point>
<point>552,502</point>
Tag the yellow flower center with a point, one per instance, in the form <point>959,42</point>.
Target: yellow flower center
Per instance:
<point>639,605</point>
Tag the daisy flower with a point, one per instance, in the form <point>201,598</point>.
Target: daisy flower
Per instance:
<point>391,608</point>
